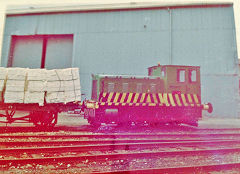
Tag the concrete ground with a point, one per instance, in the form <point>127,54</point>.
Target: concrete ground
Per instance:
<point>219,123</point>
<point>205,123</point>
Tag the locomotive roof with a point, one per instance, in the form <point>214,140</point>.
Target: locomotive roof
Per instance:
<point>181,66</point>
<point>126,76</point>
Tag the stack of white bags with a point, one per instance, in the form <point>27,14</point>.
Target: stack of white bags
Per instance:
<point>15,85</point>
<point>23,85</point>
<point>35,86</point>
<point>63,85</point>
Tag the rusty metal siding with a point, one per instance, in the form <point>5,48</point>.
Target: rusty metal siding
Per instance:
<point>127,42</point>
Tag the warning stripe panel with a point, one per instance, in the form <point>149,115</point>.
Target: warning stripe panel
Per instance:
<point>155,98</point>
<point>184,100</point>
<point>136,98</point>
<point>171,99</point>
<point>149,99</point>
<point>123,97</point>
<point>116,97</point>
<point>110,96</point>
<point>165,99</point>
<point>177,100</point>
<point>189,98</point>
<point>142,97</point>
<point>129,97</point>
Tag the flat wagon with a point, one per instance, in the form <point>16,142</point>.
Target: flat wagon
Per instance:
<point>40,93</point>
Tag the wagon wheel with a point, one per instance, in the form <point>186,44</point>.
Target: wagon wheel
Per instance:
<point>45,119</point>
<point>10,111</point>
<point>50,119</point>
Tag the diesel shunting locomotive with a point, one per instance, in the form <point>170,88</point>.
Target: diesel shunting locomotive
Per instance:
<point>169,94</point>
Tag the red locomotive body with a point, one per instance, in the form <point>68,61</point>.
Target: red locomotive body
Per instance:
<point>169,94</point>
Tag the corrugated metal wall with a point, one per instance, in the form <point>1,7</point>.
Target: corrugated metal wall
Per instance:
<point>127,42</point>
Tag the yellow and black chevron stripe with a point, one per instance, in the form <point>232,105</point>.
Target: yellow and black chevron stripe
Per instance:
<point>149,99</point>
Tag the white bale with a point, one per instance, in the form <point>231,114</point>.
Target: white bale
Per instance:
<point>70,85</point>
<point>3,73</point>
<point>34,97</point>
<point>15,85</point>
<point>72,96</point>
<point>37,74</point>
<point>13,97</point>
<point>54,86</point>
<point>70,74</point>
<point>36,86</point>
<point>2,84</point>
<point>17,73</point>
<point>63,74</point>
<point>55,97</point>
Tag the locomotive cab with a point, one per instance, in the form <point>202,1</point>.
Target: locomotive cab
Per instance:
<point>178,79</point>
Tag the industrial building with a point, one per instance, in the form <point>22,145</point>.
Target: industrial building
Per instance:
<point>128,38</point>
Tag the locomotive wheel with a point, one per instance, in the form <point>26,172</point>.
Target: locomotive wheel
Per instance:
<point>44,118</point>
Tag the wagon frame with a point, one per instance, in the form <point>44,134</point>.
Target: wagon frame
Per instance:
<point>41,116</point>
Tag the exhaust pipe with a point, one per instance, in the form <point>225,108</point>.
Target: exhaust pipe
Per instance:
<point>208,107</point>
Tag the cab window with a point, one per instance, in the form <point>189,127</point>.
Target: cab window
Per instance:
<point>192,75</point>
<point>110,87</point>
<point>181,75</point>
<point>163,72</point>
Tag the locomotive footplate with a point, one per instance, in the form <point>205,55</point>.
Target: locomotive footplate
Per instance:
<point>145,112</point>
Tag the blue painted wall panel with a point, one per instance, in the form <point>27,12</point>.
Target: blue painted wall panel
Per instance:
<point>90,22</point>
<point>207,38</point>
<point>222,91</point>
<point>127,42</point>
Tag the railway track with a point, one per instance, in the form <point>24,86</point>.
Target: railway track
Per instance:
<point>129,135</point>
<point>107,141</point>
<point>52,149</point>
<point>181,170</point>
<point>120,146</point>
<point>131,156</point>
